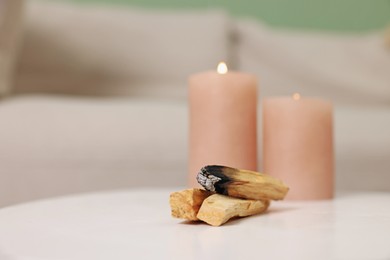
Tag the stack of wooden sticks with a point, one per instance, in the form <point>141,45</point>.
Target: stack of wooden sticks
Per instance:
<point>228,193</point>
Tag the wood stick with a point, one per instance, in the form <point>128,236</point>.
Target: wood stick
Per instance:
<point>185,204</point>
<point>218,209</point>
<point>241,183</point>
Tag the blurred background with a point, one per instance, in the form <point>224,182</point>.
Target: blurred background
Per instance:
<point>93,93</point>
<point>345,15</point>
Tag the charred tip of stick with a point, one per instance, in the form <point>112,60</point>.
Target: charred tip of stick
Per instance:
<point>207,180</point>
<point>212,178</point>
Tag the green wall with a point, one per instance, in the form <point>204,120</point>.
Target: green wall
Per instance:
<point>335,15</point>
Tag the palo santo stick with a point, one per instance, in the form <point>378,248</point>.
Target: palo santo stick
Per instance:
<point>185,204</point>
<point>218,209</point>
<point>241,183</point>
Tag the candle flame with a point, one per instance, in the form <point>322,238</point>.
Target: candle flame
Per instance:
<point>222,68</point>
<point>296,96</point>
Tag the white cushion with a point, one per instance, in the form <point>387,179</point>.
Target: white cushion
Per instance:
<point>346,68</point>
<point>51,146</point>
<point>97,50</point>
<point>10,34</point>
<point>362,144</point>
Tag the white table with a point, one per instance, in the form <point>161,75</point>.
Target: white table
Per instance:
<point>137,225</point>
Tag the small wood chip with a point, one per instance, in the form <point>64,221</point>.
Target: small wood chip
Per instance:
<point>185,204</point>
<point>218,209</point>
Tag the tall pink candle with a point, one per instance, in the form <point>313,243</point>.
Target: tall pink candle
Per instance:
<point>298,145</point>
<point>222,128</point>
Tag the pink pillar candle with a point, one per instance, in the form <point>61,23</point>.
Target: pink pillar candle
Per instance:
<point>223,122</point>
<point>298,145</point>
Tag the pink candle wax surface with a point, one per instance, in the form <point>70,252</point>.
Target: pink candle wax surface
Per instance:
<point>298,145</point>
<point>223,122</point>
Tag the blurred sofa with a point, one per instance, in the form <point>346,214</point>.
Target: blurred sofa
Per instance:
<point>98,99</point>
<point>10,34</point>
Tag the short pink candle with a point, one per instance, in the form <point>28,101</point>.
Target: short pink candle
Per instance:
<point>223,124</point>
<point>298,145</point>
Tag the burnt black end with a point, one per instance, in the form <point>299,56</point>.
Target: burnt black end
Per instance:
<point>212,178</point>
